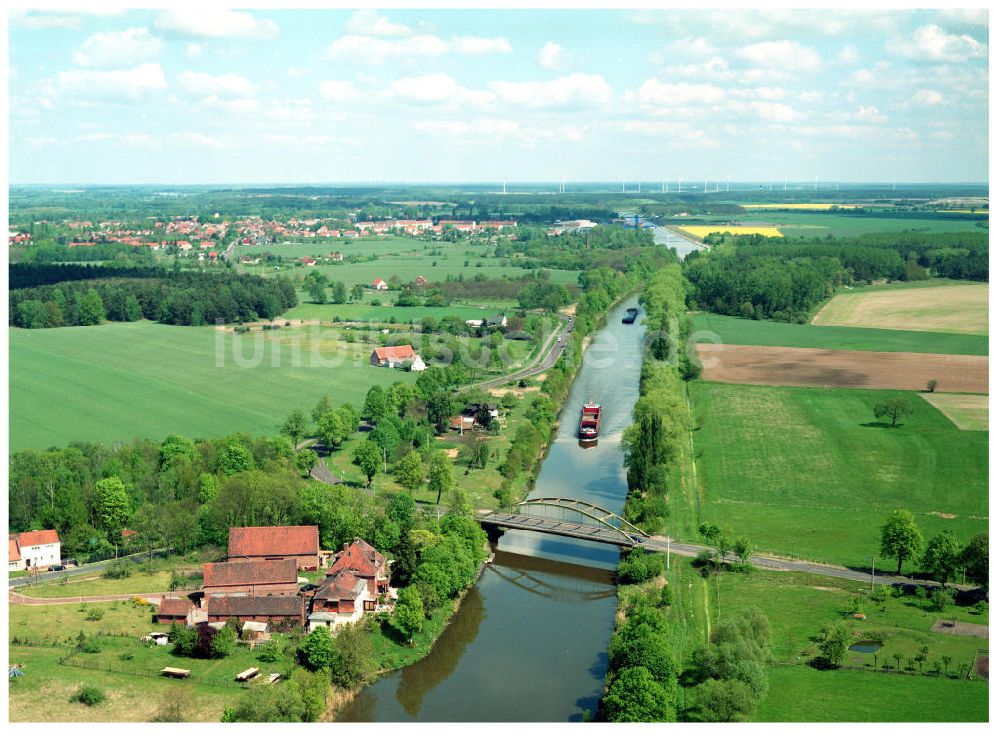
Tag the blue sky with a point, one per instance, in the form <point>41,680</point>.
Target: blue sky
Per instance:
<point>316,96</point>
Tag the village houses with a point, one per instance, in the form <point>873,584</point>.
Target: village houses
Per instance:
<point>401,356</point>
<point>355,583</point>
<point>33,550</point>
<point>272,543</point>
<point>258,578</point>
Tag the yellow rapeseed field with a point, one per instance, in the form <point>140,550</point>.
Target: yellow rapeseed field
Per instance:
<point>704,230</point>
<point>805,205</point>
<point>962,211</point>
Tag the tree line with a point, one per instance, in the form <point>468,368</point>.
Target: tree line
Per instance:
<point>941,558</point>
<point>767,278</point>
<point>183,298</point>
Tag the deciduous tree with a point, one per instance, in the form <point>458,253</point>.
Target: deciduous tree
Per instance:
<point>901,538</point>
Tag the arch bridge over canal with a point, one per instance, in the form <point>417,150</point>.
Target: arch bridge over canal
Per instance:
<point>564,517</point>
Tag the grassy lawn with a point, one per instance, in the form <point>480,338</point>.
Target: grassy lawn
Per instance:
<point>804,471</point>
<point>803,694</point>
<point>123,380</point>
<point>737,331</point>
<point>366,312</point>
<point>956,309</point>
<point>97,585</point>
<point>60,624</point>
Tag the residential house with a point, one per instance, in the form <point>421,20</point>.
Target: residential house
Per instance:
<point>419,281</point>
<point>258,609</point>
<point>462,424</point>
<point>379,285</point>
<point>357,578</point>
<point>271,543</point>
<point>33,550</point>
<point>306,260</point>
<point>174,610</point>
<point>338,256</point>
<point>258,578</point>
<point>397,357</point>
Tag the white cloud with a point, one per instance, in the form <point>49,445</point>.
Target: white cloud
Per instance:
<point>118,48</point>
<point>655,92</point>
<point>553,56</point>
<point>933,43</point>
<point>195,139</point>
<point>377,50</point>
<point>671,132</point>
<point>698,48</point>
<point>575,90</point>
<point>787,56</point>
<point>476,45</point>
<point>374,50</point>
<point>337,90</point>
<point>868,114</point>
<point>965,16</point>
<point>443,128</point>
<point>941,135</point>
<point>193,50</point>
<point>714,68</point>
<point>241,104</point>
<point>774,111</point>
<point>434,89</point>
<point>212,22</point>
<point>114,86</point>
<point>928,97</point>
<point>848,55</point>
<point>66,19</point>
<point>223,85</point>
<point>134,140</point>
<point>370,23</point>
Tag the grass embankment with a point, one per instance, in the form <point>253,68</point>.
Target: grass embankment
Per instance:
<point>808,473</point>
<point>706,327</point>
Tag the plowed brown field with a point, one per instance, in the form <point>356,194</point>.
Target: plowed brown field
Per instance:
<point>843,368</point>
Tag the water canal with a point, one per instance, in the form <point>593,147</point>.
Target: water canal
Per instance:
<point>529,642</point>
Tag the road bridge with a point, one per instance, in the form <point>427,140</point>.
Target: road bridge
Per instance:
<point>564,517</point>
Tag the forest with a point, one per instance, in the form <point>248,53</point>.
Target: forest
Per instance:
<point>124,294</point>
<point>767,278</point>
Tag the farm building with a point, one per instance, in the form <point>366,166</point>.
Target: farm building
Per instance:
<point>174,610</point>
<point>33,550</point>
<point>251,578</point>
<point>397,357</point>
<point>256,609</point>
<point>271,543</point>
<point>353,584</point>
<point>379,285</point>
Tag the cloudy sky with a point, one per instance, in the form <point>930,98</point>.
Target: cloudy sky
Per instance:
<point>312,96</point>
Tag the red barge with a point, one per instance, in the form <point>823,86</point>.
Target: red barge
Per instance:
<point>590,421</point>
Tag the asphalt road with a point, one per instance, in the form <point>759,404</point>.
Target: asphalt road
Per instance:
<point>659,543</point>
<point>551,351</point>
<point>77,571</point>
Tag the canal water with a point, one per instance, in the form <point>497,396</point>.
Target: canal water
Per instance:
<point>529,642</point>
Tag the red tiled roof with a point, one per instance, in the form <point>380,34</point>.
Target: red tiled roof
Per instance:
<point>273,541</point>
<point>342,586</point>
<point>255,606</point>
<point>37,538</point>
<point>402,352</point>
<point>360,558</point>
<point>13,552</point>
<point>251,572</point>
<point>174,606</point>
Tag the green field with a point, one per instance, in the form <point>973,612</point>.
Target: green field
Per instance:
<point>737,331</point>
<point>844,224</point>
<point>804,694</point>
<point>805,472</point>
<point>123,380</point>
<point>309,310</point>
<point>400,257</point>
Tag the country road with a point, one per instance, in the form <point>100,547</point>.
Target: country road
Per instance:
<point>551,351</point>
<point>661,544</point>
<point>84,569</point>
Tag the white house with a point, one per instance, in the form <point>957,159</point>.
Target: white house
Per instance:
<point>33,550</point>
<point>397,357</point>
<point>379,285</point>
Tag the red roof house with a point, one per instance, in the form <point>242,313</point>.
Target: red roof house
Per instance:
<point>363,561</point>
<point>34,550</point>
<point>398,356</point>
<point>258,609</point>
<point>379,285</point>
<point>300,543</point>
<point>174,610</point>
<point>258,578</point>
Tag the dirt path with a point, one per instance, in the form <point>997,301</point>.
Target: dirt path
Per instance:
<point>799,366</point>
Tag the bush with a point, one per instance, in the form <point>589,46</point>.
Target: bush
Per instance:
<point>666,596</point>
<point>941,598</point>
<point>639,566</point>
<point>88,695</point>
<point>119,569</point>
<point>94,613</point>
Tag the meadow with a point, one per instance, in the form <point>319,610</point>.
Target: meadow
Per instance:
<point>386,311</point>
<point>122,380</point>
<point>808,473</point>
<point>810,224</point>
<point>959,309</point>
<point>398,257</point>
<point>736,331</point>
<point>802,206</point>
<point>967,412</point>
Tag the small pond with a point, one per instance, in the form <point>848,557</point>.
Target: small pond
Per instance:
<point>866,647</point>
